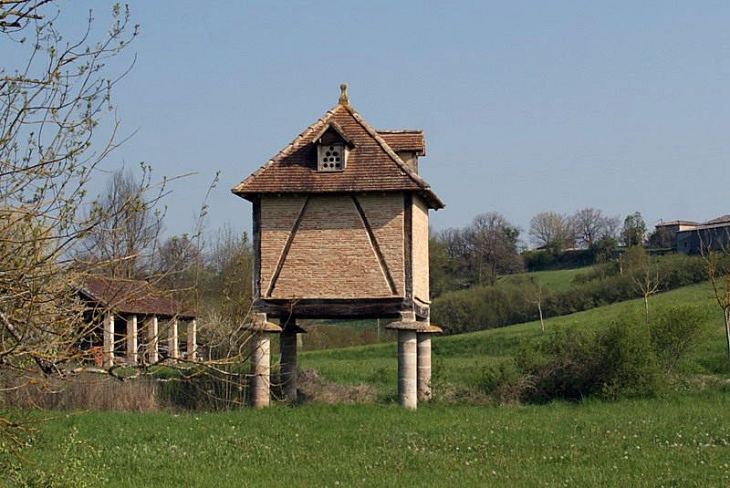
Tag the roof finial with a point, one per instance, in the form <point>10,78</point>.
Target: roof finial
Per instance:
<point>344,100</point>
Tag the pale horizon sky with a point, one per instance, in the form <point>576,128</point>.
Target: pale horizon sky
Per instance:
<point>526,106</point>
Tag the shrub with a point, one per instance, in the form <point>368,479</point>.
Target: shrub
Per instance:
<point>616,362</point>
<point>675,332</point>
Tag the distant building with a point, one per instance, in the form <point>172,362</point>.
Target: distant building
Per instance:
<point>694,238</point>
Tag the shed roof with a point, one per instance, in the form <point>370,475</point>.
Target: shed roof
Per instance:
<point>133,297</point>
<point>372,163</point>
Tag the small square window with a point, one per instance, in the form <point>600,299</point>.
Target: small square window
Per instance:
<point>331,157</point>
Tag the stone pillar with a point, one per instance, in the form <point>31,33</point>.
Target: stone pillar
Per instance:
<point>132,339</point>
<point>172,345</point>
<point>261,359</point>
<point>152,338</point>
<point>289,343</point>
<point>108,347</point>
<point>407,375</point>
<point>192,340</point>
<point>424,366</point>
<point>260,369</point>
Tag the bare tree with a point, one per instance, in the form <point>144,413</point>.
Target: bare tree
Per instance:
<point>125,242</point>
<point>492,246</point>
<point>591,226</point>
<point>551,230</point>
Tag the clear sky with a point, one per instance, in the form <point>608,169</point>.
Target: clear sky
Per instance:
<point>526,106</point>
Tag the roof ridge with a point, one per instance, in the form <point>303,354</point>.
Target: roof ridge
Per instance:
<point>287,150</point>
<point>384,145</point>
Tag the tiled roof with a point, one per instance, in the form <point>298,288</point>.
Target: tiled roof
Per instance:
<point>132,296</point>
<point>372,164</point>
<point>405,140</point>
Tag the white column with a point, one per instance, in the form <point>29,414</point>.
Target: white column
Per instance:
<point>152,338</point>
<point>424,367</point>
<point>192,340</point>
<point>108,347</point>
<point>260,369</point>
<point>132,339</point>
<point>407,373</point>
<point>172,345</point>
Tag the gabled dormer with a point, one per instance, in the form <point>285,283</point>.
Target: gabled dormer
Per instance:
<point>332,148</point>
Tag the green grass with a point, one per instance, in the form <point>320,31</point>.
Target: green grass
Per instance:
<point>460,359</point>
<point>680,439</point>
<point>556,281</point>
<point>676,441</point>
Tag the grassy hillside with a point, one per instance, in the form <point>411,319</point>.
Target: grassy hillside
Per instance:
<point>555,281</point>
<point>460,359</point>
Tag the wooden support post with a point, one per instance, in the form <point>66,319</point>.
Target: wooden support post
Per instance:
<point>108,347</point>
<point>152,338</point>
<point>424,366</point>
<point>192,349</point>
<point>173,347</point>
<point>132,339</point>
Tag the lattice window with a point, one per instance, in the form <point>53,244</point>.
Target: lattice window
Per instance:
<point>331,157</point>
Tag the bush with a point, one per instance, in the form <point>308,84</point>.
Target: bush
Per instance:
<point>675,332</point>
<point>616,362</point>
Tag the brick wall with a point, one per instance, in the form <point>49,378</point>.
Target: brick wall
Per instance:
<point>331,254</point>
<point>420,250</point>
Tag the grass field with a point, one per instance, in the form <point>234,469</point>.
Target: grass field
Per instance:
<point>675,441</point>
<point>679,439</point>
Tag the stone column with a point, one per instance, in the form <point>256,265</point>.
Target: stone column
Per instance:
<point>132,339</point>
<point>108,347</point>
<point>261,359</point>
<point>289,346</point>
<point>407,370</point>
<point>152,338</point>
<point>260,369</point>
<point>192,340</point>
<point>172,346</point>
<point>424,366</point>
<point>424,360</point>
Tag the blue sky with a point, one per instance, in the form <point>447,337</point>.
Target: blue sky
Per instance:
<point>527,106</point>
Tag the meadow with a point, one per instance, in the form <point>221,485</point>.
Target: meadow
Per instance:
<point>680,438</point>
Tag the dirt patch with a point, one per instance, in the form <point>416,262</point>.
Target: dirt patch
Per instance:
<point>312,389</point>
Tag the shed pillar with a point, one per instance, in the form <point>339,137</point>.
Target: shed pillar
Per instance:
<point>172,345</point>
<point>132,339</point>
<point>407,370</point>
<point>192,345</point>
<point>108,347</point>
<point>152,338</point>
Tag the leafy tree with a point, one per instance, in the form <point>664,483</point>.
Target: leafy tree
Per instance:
<point>661,238</point>
<point>634,230</point>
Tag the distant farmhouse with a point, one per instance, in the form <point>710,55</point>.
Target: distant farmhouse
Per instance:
<point>693,237</point>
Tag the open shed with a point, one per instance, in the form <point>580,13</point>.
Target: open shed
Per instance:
<point>120,306</point>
